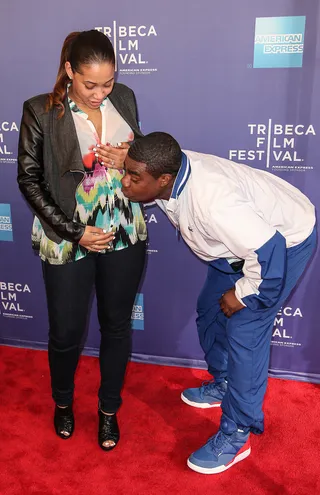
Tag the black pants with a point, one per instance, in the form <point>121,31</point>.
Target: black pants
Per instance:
<point>116,277</point>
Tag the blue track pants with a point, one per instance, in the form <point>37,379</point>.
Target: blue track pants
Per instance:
<point>238,348</point>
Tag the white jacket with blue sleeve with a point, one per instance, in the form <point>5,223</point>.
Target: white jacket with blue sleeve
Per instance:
<point>228,211</point>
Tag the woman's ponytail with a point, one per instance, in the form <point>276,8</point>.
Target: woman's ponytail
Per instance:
<point>56,98</point>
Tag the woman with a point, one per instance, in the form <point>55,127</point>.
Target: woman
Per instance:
<point>72,146</point>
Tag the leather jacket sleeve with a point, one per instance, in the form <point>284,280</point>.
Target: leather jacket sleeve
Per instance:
<point>32,183</point>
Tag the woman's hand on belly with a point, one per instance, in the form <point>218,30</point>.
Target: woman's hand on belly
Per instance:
<point>111,156</point>
<point>95,239</point>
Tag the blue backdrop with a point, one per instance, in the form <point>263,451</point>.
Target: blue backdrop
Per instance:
<point>236,79</point>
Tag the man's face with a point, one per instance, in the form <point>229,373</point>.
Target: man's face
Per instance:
<point>138,185</point>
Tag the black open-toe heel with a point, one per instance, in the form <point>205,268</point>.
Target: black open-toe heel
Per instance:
<point>64,421</point>
<point>108,430</point>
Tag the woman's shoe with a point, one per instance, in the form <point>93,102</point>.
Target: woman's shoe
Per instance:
<point>64,422</point>
<point>108,430</point>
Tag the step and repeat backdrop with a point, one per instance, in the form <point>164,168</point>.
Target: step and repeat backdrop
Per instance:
<point>235,79</point>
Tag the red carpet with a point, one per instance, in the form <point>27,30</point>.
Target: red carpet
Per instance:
<point>158,432</point>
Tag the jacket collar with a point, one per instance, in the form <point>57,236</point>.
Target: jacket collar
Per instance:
<point>121,105</point>
<point>182,177</point>
<point>179,183</point>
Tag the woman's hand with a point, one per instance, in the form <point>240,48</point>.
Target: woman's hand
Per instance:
<point>95,239</point>
<point>110,156</point>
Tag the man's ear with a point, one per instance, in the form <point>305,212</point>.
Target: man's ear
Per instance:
<point>165,179</point>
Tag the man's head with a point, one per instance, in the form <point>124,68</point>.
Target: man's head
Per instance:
<point>151,166</point>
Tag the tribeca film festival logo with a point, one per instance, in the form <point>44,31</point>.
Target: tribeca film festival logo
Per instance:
<point>137,317</point>
<point>128,43</point>
<point>279,42</point>
<point>275,146</point>
<point>10,294</point>
<point>6,130</point>
<point>280,336</point>
<point>6,233</point>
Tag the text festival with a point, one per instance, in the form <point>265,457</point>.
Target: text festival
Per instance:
<point>128,49</point>
<point>6,127</point>
<point>8,295</point>
<point>278,330</point>
<point>279,140</point>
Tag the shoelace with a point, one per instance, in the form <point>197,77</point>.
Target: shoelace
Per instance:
<point>208,386</point>
<point>218,442</point>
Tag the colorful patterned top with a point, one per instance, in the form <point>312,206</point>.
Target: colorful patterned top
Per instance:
<point>100,201</point>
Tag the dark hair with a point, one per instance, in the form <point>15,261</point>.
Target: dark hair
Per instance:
<point>86,47</point>
<point>159,151</point>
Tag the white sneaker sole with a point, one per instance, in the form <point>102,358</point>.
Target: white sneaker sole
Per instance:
<point>200,405</point>
<point>222,468</point>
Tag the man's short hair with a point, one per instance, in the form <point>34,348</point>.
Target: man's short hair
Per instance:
<point>159,151</point>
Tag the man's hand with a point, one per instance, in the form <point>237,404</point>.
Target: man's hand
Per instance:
<point>229,304</point>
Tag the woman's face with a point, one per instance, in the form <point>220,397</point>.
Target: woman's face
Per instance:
<point>91,84</point>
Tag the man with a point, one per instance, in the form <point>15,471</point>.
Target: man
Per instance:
<point>257,233</point>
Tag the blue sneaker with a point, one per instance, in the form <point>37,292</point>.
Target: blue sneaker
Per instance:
<point>229,446</point>
<point>210,394</point>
